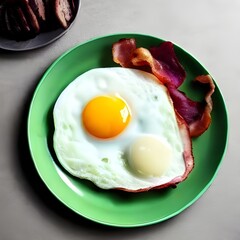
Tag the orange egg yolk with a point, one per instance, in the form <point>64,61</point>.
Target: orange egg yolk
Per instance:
<point>106,116</point>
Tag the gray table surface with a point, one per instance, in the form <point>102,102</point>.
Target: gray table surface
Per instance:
<point>207,29</point>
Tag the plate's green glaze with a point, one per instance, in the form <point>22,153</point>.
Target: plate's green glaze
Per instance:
<point>114,207</point>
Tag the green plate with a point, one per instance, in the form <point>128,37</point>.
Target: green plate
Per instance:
<point>113,207</point>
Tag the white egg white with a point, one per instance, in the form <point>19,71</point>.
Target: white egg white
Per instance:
<point>105,162</point>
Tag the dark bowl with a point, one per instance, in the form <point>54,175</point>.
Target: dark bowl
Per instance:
<point>40,40</point>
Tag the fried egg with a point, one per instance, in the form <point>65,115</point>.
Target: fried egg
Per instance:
<point>117,128</point>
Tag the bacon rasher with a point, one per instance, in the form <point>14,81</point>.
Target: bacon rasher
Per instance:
<point>163,63</point>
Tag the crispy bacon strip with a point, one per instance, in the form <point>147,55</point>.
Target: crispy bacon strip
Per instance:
<point>201,124</point>
<point>163,63</point>
<point>126,53</point>
<point>123,51</point>
<point>166,56</point>
<point>143,59</point>
<point>196,114</point>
